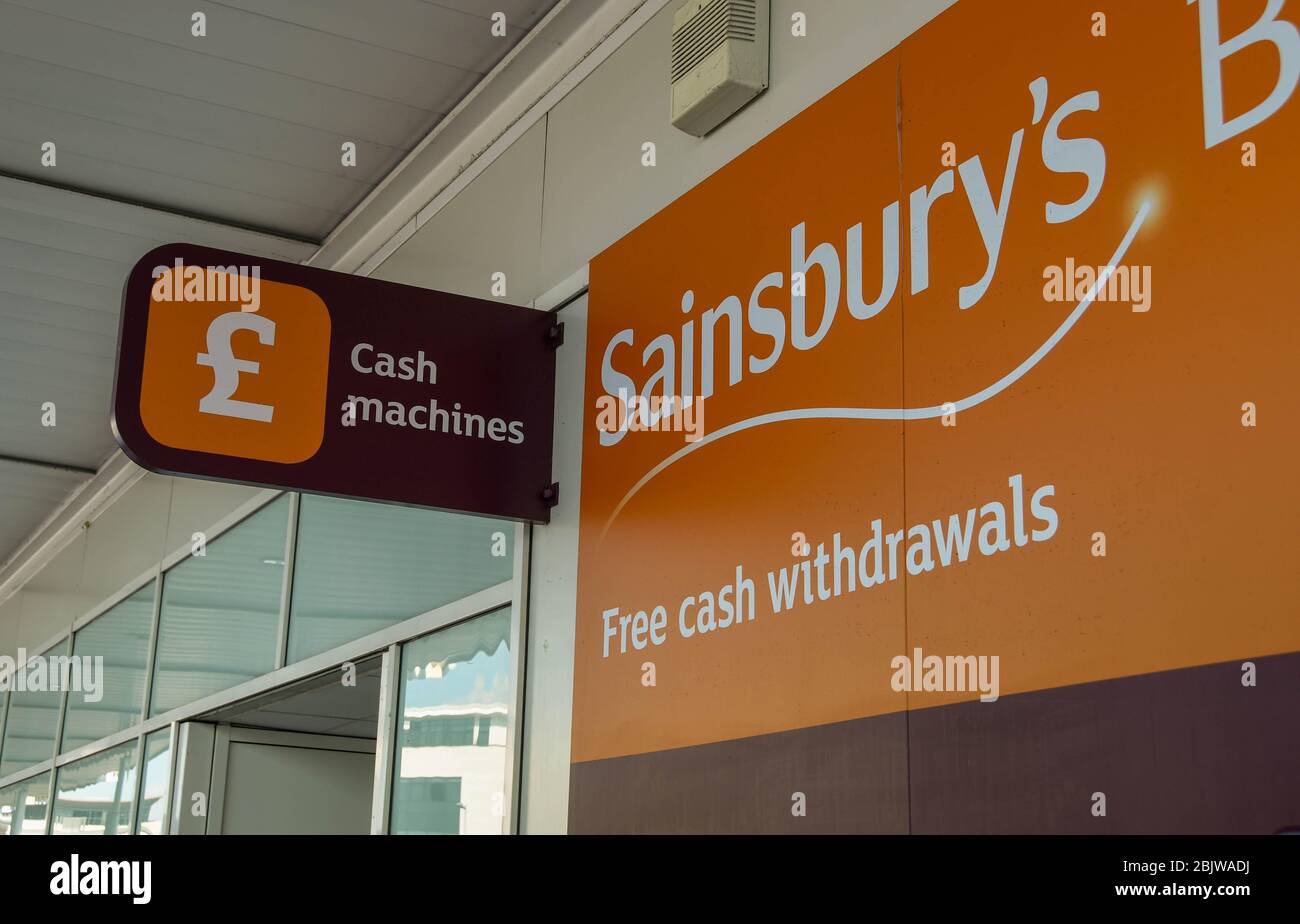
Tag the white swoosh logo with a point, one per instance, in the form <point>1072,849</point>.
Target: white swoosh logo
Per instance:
<point>903,413</point>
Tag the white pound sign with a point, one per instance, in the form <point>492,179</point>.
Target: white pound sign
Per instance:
<point>227,367</point>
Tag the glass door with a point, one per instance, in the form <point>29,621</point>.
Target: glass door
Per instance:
<point>452,729</point>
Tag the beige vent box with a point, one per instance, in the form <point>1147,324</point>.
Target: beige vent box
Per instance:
<point>719,61</point>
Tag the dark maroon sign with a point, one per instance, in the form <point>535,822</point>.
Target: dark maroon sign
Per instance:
<point>237,368</point>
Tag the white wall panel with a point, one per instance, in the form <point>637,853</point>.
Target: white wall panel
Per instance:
<point>296,790</point>
<point>53,598</point>
<point>493,226</point>
<point>126,539</point>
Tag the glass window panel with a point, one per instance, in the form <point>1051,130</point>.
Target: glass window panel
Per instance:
<point>33,714</point>
<point>157,782</point>
<point>121,638</point>
<point>96,792</point>
<point>22,806</point>
<point>450,767</point>
<point>221,612</point>
<point>361,567</point>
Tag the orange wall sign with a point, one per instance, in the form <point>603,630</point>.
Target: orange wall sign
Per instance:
<point>934,423</point>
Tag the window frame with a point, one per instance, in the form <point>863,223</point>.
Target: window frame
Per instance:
<point>384,642</point>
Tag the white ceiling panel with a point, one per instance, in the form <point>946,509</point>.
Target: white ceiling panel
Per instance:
<point>245,123</point>
<point>519,13</point>
<point>99,140</point>
<point>230,140</point>
<point>79,170</point>
<point>320,704</point>
<point>155,112</point>
<point>19,280</point>
<point>194,74</point>
<point>271,45</point>
<point>49,259</point>
<point>439,31</point>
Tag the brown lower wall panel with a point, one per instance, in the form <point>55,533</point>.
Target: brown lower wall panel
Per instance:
<point>1186,751</point>
<point>853,776</point>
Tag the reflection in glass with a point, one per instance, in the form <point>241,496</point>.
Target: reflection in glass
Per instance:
<point>450,768</point>
<point>121,638</point>
<point>22,806</point>
<point>95,793</point>
<point>157,782</point>
<point>360,567</point>
<point>34,714</point>
<point>221,612</point>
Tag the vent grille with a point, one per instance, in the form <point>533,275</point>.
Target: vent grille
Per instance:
<point>717,22</point>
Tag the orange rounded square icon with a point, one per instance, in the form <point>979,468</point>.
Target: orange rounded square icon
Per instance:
<point>235,364</point>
